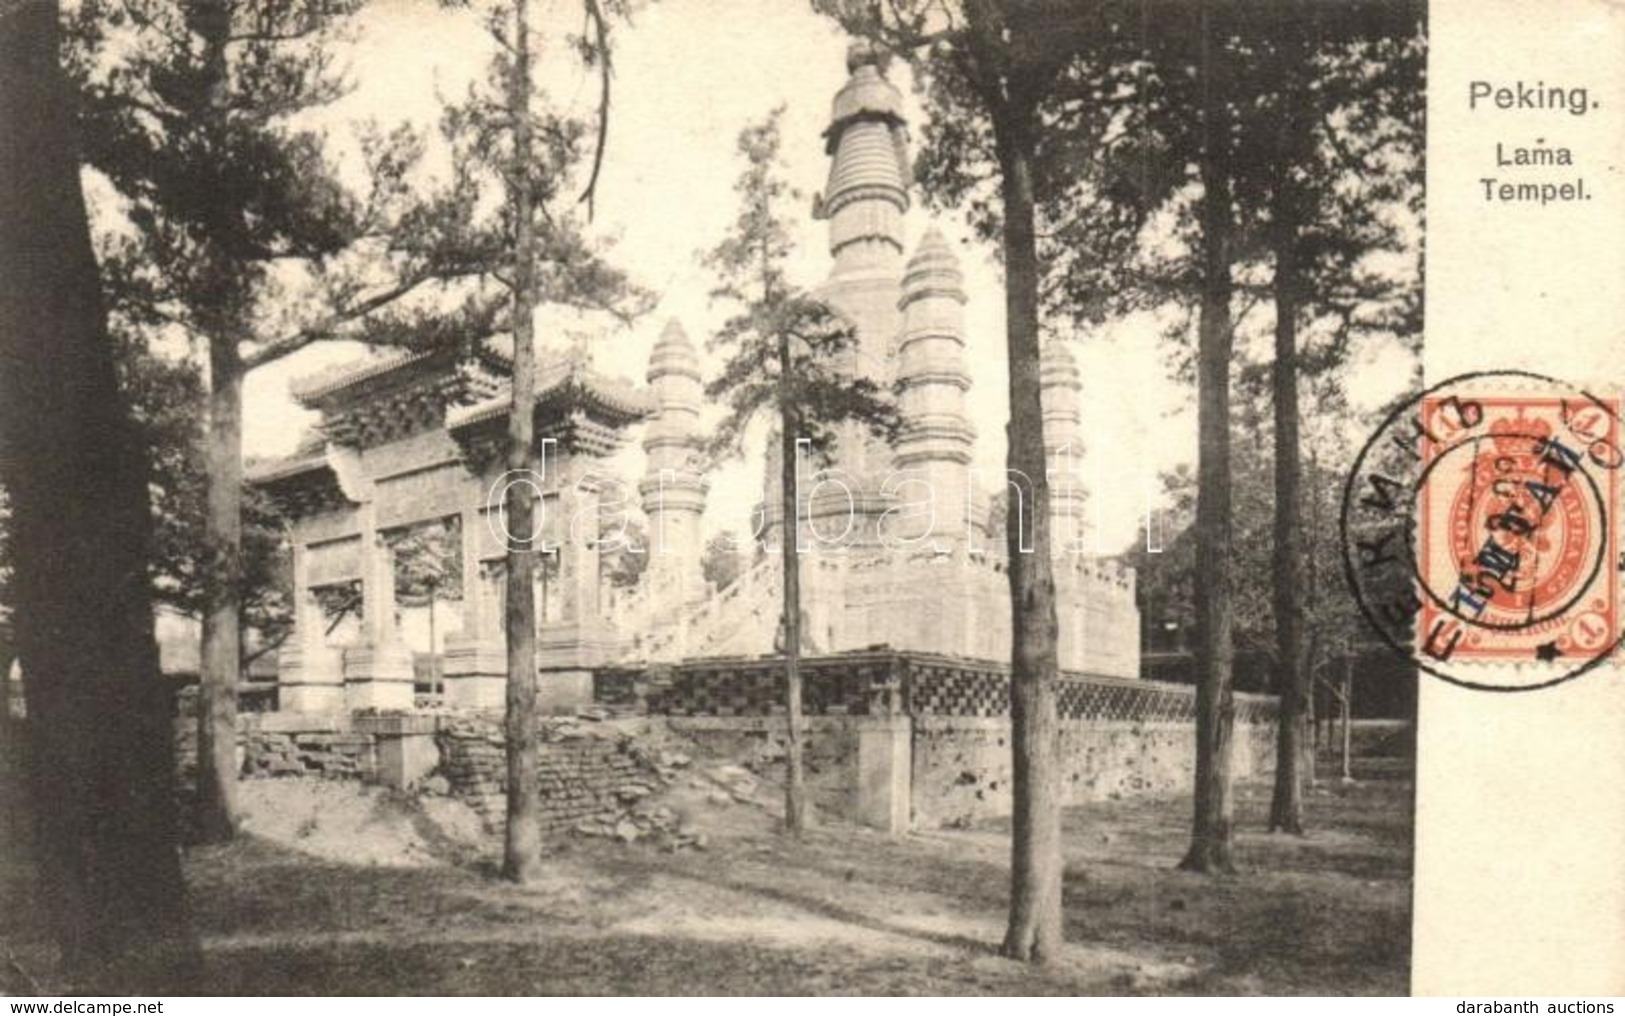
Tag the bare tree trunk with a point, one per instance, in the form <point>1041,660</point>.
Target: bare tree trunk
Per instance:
<point>1286,806</point>
<point>1346,708</point>
<point>1311,737</point>
<point>100,723</point>
<point>1317,644</point>
<point>221,656</point>
<point>521,858</point>
<point>1035,931</point>
<point>1314,719</point>
<point>795,791</point>
<point>1213,814</point>
<point>6,705</point>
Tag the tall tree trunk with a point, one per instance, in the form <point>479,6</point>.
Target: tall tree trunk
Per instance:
<point>1291,677</point>
<point>1035,929</point>
<point>1286,806</point>
<point>795,791</point>
<point>1316,649</point>
<point>1346,710</point>
<point>221,657</point>
<point>1213,817</point>
<point>100,715</point>
<point>220,664</point>
<point>522,844</point>
<point>1309,739</point>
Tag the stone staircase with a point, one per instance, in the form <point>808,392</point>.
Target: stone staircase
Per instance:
<point>739,620</point>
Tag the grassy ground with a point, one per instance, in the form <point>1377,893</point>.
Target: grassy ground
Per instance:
<point>845,911</point>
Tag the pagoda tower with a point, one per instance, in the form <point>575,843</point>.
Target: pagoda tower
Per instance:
<point>938,440</point>
<point>864,201</point>
<point>674,487</point>
<point>1061,395</point>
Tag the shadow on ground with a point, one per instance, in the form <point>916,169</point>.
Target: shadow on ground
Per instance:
<point>845,911</point>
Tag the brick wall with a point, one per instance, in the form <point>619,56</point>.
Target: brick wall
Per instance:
<point>590,774</point>
<point>268,744</point>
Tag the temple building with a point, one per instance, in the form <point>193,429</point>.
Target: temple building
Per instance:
<point>900,549</point>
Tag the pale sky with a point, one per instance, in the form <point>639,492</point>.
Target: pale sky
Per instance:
<point>689,75</point>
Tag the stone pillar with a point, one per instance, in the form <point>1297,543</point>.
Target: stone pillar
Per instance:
<point>568,649</point>
<point>885,778</point>
<point>885,760</point>
<point>406,749</point>
<point>310,673</point>
<point>938,440</point>
<point>476,665</point>
<point>377,673</point>
<point>1061,394</point>
<point>864,200</point>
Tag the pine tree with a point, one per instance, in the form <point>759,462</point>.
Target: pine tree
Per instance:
<point>995,73</point>
<point>784,348</point>
<point>243,239</point>
<point>532,254</point>
<point>1315,104</point>
<point>1343,149</point>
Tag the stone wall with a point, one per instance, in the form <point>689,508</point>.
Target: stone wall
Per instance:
<point>961,765</point>
<point>914,740</point>
<point>829,752</point>
<point>287,744</point>
<point>893,740</point>
<point>592,774</point>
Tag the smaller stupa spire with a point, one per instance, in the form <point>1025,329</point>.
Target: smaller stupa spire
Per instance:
<point>938,439</point>
<point>1061,393</point>
<point>674,486</point>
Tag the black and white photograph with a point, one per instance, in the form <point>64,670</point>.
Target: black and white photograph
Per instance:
<point>758,497</point>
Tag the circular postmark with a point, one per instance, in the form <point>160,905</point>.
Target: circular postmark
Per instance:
<point>1479,530</point>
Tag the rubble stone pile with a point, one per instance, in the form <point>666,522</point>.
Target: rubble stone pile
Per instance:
<point>596,777</point>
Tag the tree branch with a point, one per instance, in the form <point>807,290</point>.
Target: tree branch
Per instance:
<point>595,14</point>
<point>278,348</point>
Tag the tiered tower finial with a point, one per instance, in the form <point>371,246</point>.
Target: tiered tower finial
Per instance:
<point>864,201</point>
<point>867,140</point>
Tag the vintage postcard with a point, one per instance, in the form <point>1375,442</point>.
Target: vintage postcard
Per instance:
<point>810,497</point>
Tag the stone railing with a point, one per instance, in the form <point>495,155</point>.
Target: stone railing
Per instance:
<point>720,618</point>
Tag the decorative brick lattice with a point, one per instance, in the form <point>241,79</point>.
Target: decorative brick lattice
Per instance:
<point>864,683</point>
<point>830,686</point>
<point>1086,699</point>
<point>1258,709</point>
<point>616,687</point>
<point>947,689</point>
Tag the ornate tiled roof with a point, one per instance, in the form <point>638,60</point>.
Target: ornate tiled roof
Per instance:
<point>612,397</point>
<point>309,453</point>
<point>311,390</point>
<point>281,469</point>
